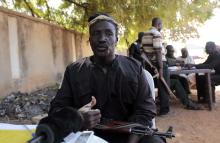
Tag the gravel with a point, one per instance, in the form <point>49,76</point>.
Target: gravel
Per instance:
<point>24,106</point>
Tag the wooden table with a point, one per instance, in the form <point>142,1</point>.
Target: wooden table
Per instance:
<point>207,73</point>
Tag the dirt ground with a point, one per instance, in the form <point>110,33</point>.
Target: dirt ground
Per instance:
<point>190,126</point>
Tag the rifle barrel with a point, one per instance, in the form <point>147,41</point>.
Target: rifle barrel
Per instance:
<point>36,139</point>
<point>167,134</point>
<point>151,132</point>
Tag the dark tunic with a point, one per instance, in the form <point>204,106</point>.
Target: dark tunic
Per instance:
<point>171,61</point>
<point>212,62</point>
<point>135,51</point>
<point>122,93</point>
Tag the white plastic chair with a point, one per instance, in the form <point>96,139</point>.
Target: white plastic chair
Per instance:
<point>151,84</point>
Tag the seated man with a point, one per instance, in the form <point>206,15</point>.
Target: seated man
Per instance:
<point>117,82</point>
<point>181,94</point>
<point>172,61</point>
<point>188,61</point>
<point>185,57</point>
<point>212,62</point>
<point>178,83</point>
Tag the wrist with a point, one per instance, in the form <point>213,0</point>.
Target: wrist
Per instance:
<point>83,121</point>
<point>134,138</point>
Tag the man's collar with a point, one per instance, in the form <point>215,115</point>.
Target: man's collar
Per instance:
<point>113,64</point>
<point>153,28</point>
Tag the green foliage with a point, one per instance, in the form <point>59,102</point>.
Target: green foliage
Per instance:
<point>180,17</point>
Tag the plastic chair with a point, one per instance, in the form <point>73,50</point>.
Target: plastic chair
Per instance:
<point>152,87</point>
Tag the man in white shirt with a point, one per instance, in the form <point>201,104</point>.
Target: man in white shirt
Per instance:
<point>186,58</point>
<point>155,52</point>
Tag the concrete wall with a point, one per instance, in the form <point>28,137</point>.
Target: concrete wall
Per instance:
<point>34,53</point>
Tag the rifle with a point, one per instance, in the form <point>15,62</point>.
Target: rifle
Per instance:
<point>45,134</point>
<point>156,75</point>
<point>133,128</point>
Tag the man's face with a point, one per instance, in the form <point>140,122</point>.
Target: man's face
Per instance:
<point>103,38</point>
<point>184,53</point>
<point>160,26</point>
<point>170,52</point>
<point>209,49</point>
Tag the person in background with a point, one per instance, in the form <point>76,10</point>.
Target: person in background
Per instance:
<point>135,48</point>
<point>185,57</point>
<point>188,61</point>
<point>212,62</point>
<point>155,53</point>
<point>118,84</point>
<point>172,61</point>
<point>181,94</point>
<point>178,83</point>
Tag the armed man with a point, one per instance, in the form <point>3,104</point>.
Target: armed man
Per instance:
<point>154,55</point>
<point>118,83</point>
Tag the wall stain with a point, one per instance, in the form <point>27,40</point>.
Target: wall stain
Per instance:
<point>66,44</point>
<point>78,45</point>
<point>53,37</point>
<point>4,48</point>
<point>24,28</point>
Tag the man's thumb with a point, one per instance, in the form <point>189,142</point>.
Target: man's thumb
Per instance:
<point>88,106</point>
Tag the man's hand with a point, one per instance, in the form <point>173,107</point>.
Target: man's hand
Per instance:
<point>189,66</point>
<point>181,63</point>
<point>91,117</point>
<point>156,73</point>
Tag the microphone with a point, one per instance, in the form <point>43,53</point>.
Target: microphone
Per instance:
<point>56,126</point>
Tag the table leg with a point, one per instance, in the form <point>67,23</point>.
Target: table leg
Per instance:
<point>208,81</point>
<point>201,88</point>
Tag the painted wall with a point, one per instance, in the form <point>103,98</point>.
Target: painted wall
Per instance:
<point>34,53</point>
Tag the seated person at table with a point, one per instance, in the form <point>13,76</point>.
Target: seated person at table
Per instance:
<point>117,82</point>
<point>177,83</point>
<point>172,61</point>
<point>185,57</point>
<point>212,62</point>
<point>188,61</point>
<point>181,94</point>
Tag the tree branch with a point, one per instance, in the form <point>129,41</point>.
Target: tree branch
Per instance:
<point>77,4</point>
<point>29,7</point>
<point>48,9</point>
<point>4,3</point>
